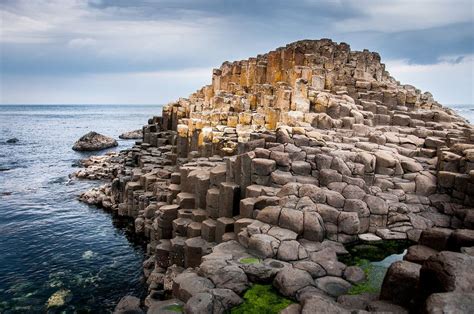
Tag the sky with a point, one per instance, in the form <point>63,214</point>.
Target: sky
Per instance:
<point>155,51</point>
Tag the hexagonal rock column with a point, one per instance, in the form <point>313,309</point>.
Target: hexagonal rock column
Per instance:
<point>193,251</point>
<point>229,198</point>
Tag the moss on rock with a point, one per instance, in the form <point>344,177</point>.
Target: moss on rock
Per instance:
<point>261,299</point>
<point>249,260</point>
<point>178,308</point>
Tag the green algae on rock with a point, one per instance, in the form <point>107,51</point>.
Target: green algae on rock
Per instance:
<point>373,252</point>
<point>374,259</point>
<point>178,308</point>
<point>249,260</point>
<point>261,299</point>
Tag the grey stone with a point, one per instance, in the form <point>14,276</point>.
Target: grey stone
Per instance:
<point>263,167</point>
<point>401,283</point>
<point>288,250</point>
<point>376,205</point>
<point>313,228</point>
<point>199,303</point>
<point>314,269</point>
<point>353,191</point>
<point>291,219</point>
<point>354,274</point>
<point>450,302</point>
<point>263,245</point>
<point>334,286</point>
<point>289,280</point>
<point>419,254</point>
<point>381,306</point>
<point>94,141</point>
<point>128,305</point>
<point>323,305</point>
<point>447,271</point>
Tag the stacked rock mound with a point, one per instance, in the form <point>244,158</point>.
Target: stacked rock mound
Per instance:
<point>282,160</point>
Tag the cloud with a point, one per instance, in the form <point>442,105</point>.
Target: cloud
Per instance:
<point>84,39</point>
<point>82,42</point>
<point>451,80</point>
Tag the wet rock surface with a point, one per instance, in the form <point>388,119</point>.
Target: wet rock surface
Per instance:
<point>93,141</point>
<point>265,175</point>
<point>132,135</point>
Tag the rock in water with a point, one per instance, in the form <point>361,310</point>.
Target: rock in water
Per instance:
<point>94,141</point>
<point>132,135</point>
<point>128,304</point>
<point>13,140</point>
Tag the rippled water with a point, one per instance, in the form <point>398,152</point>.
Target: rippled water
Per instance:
<point>53,247</point>
<point>466,111</point>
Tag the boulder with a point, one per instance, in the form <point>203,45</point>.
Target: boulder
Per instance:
<point>263,245</point>
<point>12,140</point>
<point>381,306</point>
<point>230,277</point>
<point>419,254</point>
<point>199,303</point>
<point>354,274</point>
<point>334,286</point>
<point>376,205</point>
<point>132,135</point>
<point>314,269</point>
<point>289,251</point>
<point>450,302</point>
<point>128,305</point>
<point>401,283</point>
<point>353,191</point>
<point>224,300</point>
<point>322,305</point>
<point>294,308</point>
<point>436,238</point>
<point>165,307</point>
<point>313,226</point>
<point>446,272</point>
<point>94,141</point>
<point>356,302</point>
<point>289,280</point>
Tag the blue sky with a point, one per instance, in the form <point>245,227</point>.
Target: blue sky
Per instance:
<point>154,51</point>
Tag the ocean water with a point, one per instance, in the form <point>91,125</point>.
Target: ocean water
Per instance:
<point>54,249</point>
<point>465,110</point>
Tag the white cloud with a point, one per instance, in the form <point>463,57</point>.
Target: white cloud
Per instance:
<point>403,15</point>
<point>82,42</point>
<point>449,82</point>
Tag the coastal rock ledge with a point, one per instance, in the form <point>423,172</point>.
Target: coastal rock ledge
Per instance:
<point>266,175</point>
<point>94,141</point>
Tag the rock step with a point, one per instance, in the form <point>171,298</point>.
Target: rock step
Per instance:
<point>182,251</point>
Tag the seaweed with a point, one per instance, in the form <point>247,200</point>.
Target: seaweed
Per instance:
<point>261,299</point>
<point>178,308</point>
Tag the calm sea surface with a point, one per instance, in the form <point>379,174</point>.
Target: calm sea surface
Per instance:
<point>53,247</point>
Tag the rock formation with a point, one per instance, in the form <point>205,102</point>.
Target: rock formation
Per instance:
<point>132,135</point>
<point>94,141</point>
<point>285,158</point>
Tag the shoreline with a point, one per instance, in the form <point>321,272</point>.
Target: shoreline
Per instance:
<point>288,181</point>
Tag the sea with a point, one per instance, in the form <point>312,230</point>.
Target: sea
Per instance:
<point>59,255</point>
